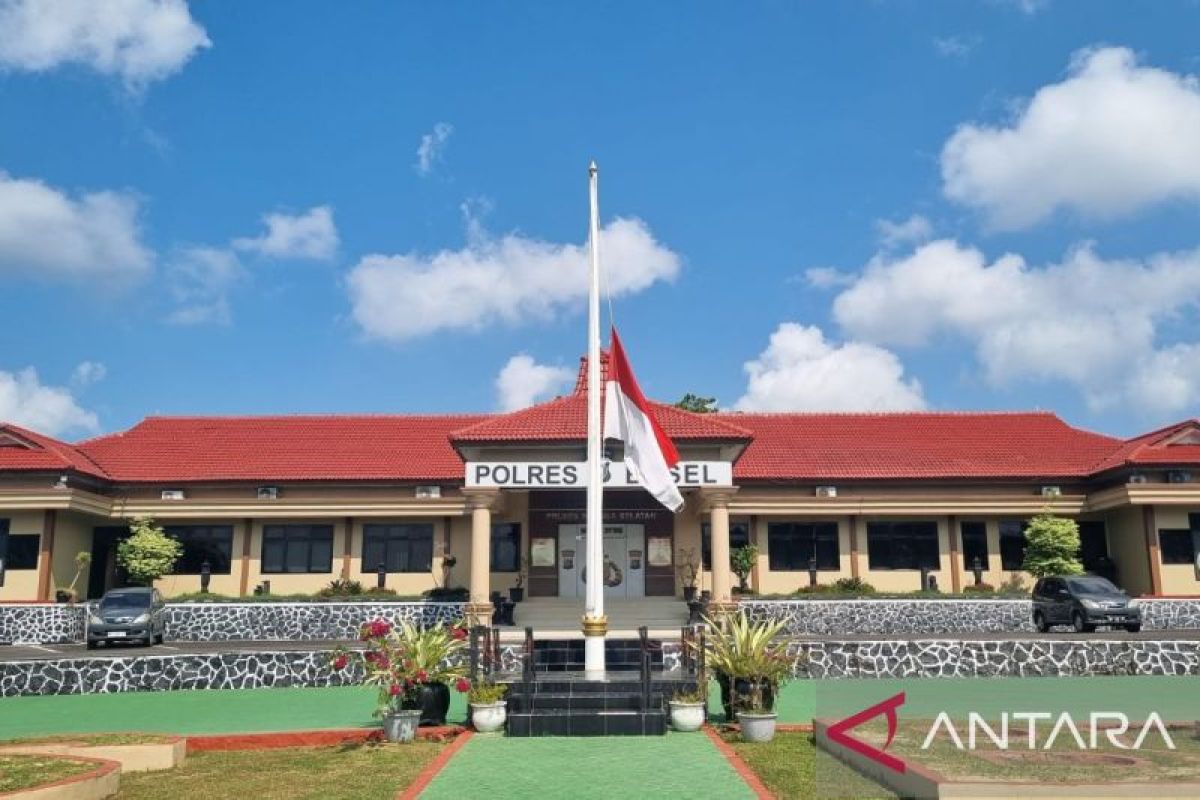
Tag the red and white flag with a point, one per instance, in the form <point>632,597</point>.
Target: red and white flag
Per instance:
<point>649,453</point>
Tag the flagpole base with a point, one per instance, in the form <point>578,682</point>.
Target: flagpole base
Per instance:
<point>594,631</point>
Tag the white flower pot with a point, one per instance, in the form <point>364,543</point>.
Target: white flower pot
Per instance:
<point>401,726</point>
<point>686,717</point>
<point>757,727</point>
<point>489,717</point>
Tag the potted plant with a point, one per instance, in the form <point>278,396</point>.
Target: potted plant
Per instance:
<point>689,572</point>
<point>488,708</point>
<point>412,668</point>
<point>448,563</point>
<point>751,666</point>
<point>687,706</point>
<point>83,560</point>
<point>517,592</point>
<point>742,561</point>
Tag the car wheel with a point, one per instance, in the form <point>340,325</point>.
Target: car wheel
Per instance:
<point>1039,622</point>
<point>1134,627</point>
<point>92,645</point>
<point>1080,625</point>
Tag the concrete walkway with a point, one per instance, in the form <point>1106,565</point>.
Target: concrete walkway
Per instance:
<point>678,765</point>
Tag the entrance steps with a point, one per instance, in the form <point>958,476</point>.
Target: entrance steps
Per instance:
<point>560,618</point>
<point>568,704</point>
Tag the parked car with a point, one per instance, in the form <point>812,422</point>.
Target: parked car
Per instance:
<point>1083,602</point>
<point>127,615</point>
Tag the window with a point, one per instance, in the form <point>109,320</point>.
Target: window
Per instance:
<point>211,543</point>
<point>297,548</point>
<point>739,536</point>
<point>1176,546</point>
<point>1012,544</point>
<point>902,545</point>
<point>790,545</point>
<point>974,545</point>
<point>401,547</point>
<point>1093,545</point>
<point>22,551</point>
<point>506,547</point>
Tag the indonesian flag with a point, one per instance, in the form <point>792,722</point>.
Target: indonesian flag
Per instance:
<point>649,454</point>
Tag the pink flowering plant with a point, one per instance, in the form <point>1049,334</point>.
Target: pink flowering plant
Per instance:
<point>401,659</point>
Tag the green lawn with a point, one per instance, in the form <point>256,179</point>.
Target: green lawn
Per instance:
<point>792,767</point>
<point>23,772</point>
<point>350,772</point>
<point>678,765</point>
<point>198,712</point>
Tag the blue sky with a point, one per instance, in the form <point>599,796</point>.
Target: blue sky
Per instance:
<point>866,205</point>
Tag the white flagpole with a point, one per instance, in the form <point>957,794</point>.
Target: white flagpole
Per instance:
<point>594,622</point>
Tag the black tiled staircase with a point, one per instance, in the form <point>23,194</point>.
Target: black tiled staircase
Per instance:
<point>566,655</point>
<point>567,704</point>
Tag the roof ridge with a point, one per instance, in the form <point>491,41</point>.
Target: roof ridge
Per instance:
<point>310,415</point>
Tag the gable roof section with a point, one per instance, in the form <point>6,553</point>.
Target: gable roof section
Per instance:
<point>23,450</point>
<point>285,448</point>
<point>1174,444</point>
<point>564,419</point>
<point>923,445</point>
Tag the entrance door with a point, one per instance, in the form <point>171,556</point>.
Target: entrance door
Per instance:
<point>624,561</point>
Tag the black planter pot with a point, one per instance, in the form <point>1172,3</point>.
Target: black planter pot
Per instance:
<point>744,689</point>
<point>433,700</point>
<point>689,593</point>
<point>516,594</point>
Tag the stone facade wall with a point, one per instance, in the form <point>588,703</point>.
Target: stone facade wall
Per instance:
<point>1009,658</point>
<point>924,658</point>
<point>41,623</point>
<point>294,622</point>
<point>937,617</point>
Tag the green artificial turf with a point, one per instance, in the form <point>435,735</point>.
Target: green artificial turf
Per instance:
<point>683,765</point>
<point>209,711</point>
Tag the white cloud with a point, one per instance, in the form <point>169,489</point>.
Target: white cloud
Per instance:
<point>199,280</point>
<point>955,46</point>
<point>45,233</point>
<point>50,410</point>
<point>139,40</point>
<point>1091,323</point>
<point>432,145</point>
<point>914,229</point>
<point>801,371</point>
<point>522,382</point>
<point>513,279</point>
<point>827,277</point>
<point>308,235</point>
<point>1112,138</point>
<point>88,372</point>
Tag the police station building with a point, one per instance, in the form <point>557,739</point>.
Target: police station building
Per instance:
<point>302,500</point>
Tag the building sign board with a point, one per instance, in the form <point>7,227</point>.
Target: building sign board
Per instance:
<point>573,474</point>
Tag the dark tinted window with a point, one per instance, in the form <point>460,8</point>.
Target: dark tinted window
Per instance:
<point>902,545</point>
<point>404,547</point>
<point>22,551</point>
<point>297,548</point>
<point>1091,584</point>
<point>1012,544</point>
<point>790,545</point>
<point>506,547</point>
<point>126,600</point>
<point>211,543</point>
<point>739,536</point>
<point>974,545</point>
<point>1176,546</point>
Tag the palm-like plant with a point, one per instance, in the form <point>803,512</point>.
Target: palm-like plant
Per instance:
<point>748,651</point>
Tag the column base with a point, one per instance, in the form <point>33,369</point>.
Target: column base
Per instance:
<point>478,614</point>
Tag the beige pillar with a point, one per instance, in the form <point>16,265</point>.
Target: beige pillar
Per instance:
<point>479,609</point>
<point>717,503</point>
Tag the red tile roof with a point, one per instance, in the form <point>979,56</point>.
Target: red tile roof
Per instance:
<point>781,447</point>
<point>1174,444</point>
<point>289,448</point>
<point>22,450</point>
<point>823,446</point>
<point>565,419</point>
